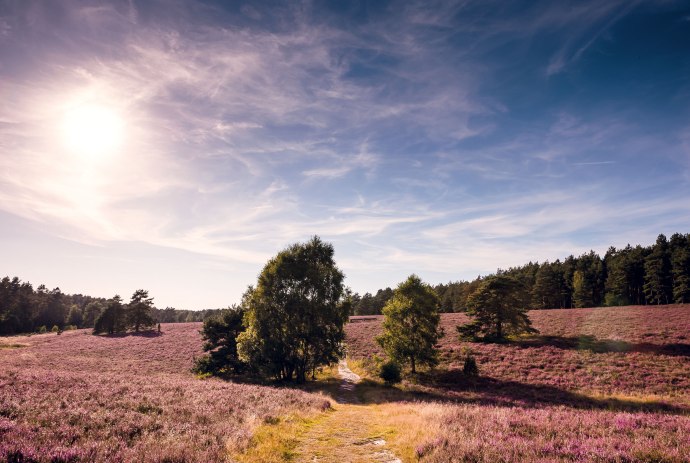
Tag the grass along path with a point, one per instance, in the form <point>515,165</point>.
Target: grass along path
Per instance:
<point>349,433</point>
<point>356,429</point>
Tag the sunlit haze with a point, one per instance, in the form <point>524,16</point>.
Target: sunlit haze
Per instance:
<point>177,145</point>
<point>92,131</point>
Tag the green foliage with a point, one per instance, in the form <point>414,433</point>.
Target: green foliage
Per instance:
<point>453,296</point>
<point>613,300</point>
<point>295,316</point>
<point>75,316</point>
<point>371,304</point>
<point>42,329</point>
<point>657,273</point>
<point>220,335</point>
<point>139,309</point>
<point>625,276</point>
<point>55,329</point>
<point>469,367</point>
<point>205,366</point>
<point>112,319</point>
<point>410,326</point>
<point>549,287</point>
<point>498,308</point>
<point>680,267</point>
<point>390,372</point>
<point>91,312</point>
<point>588,281</point>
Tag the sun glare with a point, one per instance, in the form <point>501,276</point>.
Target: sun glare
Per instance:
<point>93,131</point>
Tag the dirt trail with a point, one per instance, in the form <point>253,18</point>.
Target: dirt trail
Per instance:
<point>348,383</point>
<point>349,433</point>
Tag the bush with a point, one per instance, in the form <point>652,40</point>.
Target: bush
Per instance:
<point>55,329</point>
<point>390,373</point>
<point>42,329</point>
<point>204,366</point>
<point>470,368</point>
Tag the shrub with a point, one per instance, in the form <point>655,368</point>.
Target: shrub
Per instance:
<point>42,329</point>
<point>55,329</point>
<point>390,373</point>
<point>204,366</point>
<point>470,368</point>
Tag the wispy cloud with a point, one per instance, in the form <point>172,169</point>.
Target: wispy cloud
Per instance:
<point>416,136</point>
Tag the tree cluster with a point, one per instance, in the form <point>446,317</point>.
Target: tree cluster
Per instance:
<point>655,274</point>
<point>173,315</point>
<point>24,309</point>
<point>292,321</point>
<point>116,317</point>
<point>369,304</point>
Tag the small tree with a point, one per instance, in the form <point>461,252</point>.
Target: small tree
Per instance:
<point>220,334</point>
<point>296,314</point>
<point>139,310</point>
<point>112,319</point>
<point>498,308</point>
<point>410,326</point>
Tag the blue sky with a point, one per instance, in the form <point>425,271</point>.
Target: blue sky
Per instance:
<point>177,145</point>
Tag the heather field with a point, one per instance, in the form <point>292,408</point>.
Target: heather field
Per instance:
<point>596,385</point>
<point>604,385</point>
<point>79,397</point>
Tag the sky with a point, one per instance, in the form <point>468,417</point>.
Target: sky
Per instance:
<point>177,145</point>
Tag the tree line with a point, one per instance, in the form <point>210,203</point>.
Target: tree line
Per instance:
<point>649,275</point>
<point>24,309</point>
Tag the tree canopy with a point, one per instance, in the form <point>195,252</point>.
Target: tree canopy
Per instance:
<point>410,326</point>
<point>112,319</point>
<point>139,310</point>
<point>295,315</point>
<point>498,309</point>
<point>220,334</point>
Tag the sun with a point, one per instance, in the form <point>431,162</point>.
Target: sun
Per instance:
<point>93,131</point>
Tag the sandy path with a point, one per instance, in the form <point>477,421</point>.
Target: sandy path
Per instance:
<point>348,434</point>
<point>348,384</point>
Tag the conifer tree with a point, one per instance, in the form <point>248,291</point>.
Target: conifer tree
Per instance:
<point>139,310</point>
<point>657,273</point>
<point>497,309</point>
<point>680,267</point>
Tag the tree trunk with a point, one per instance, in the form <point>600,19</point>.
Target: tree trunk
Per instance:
<point>412,363</point>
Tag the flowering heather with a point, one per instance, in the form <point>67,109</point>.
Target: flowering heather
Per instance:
<point>488,434</point>
<point>78,397</point>
<point>596,385</point>
<point>629,351</point>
